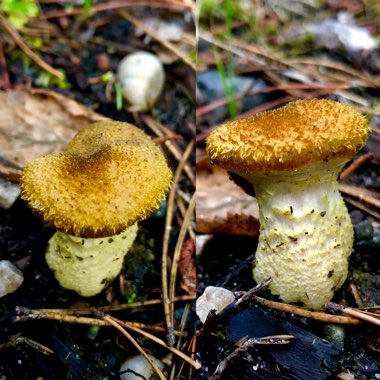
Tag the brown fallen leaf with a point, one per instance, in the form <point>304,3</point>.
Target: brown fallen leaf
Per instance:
<point>222,206</point>
<point>35,122</point>
<point>186,267</point>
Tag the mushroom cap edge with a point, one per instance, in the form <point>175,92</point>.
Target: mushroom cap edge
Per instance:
<point>302,133</point>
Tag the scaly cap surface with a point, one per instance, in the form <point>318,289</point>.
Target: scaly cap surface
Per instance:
<point>109,176</point>
<point>301,133</point>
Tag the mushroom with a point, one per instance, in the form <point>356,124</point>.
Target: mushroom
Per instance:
<point>293,156</point>
<point>110,176</point>
<point>141,76</point>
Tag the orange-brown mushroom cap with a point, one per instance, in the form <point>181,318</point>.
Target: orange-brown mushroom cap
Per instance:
<point>301,133</point>
<point>108,177</point>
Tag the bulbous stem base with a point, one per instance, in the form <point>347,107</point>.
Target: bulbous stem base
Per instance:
<point>306,234</point>
<point>88,265</point>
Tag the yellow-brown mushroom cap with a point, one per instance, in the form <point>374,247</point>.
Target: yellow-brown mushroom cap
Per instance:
<point>302,133</point>
<point>108,177</point>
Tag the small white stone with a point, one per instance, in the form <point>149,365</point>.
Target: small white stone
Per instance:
<point>10,278</point>
<point>141,76</point>
<point>9,192</point>
<point>213,298</point>
<point>137,368</point>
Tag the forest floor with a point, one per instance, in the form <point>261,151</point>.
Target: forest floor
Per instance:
<point>58,74</point>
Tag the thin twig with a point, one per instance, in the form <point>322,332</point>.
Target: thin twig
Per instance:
<point>360,161</point>
<point>182,208</point>
<point>159,341</point>
<point>358,314</point>
<point>102,322</point>
<point>177,254</point>
<point>182,325</point>
<point>244,344</point>
<point>159,140</point>
<point>360,193</point>
<point>86,321</point>
<point>360,206</point>
<point>354,291</point>
<point>358,77</point>
<point>62,318</point>
<point>252,58</point>
<point>316,315</point>
<point>161,131</point>
<point>19,339</point>
<point>109,5</point>
<point>282,87</point>
<point>106,309</point>
<point>138,24</point>
<point>28,51</point>
<point>373,313</point>
<point>165,242</point>
<point>115,324</point>
<point>261,57</point>
<point>245,296</point>
<point>193,350</point>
